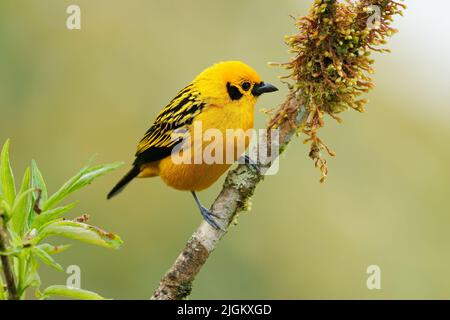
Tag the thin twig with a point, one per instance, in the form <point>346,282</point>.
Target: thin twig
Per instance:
<point>7,267</point>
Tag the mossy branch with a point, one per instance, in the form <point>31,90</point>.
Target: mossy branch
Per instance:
<point>329,72</point>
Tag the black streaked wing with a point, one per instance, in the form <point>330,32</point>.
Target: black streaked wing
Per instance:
<point>158,142</point>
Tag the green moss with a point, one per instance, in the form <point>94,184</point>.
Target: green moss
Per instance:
<point>332,66</point>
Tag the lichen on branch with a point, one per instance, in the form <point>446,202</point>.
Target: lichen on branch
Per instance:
<point>332,64</point>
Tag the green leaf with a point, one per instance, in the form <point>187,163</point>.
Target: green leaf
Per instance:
<point>80,231</point>
<point>11,252</point>
<point>37,181</point>
<point>50,215</point>
<point>22,205</point>
<point>16,240</point>
<point>39,294</point>
<point>52,249</point>
<point>8,187</point>
<point>4,207</point>
<point>46,258</point>
<point>83,178</point>
<point>41,194</point>
<point>2,290</point>
<point>64,291</point>
<point>33,279</point>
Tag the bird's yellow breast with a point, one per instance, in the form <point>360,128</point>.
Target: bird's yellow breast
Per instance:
<point>230,122</point>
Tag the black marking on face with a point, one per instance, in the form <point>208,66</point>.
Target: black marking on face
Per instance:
<point>233,92</point>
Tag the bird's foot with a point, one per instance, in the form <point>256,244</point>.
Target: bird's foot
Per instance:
<point>251,163</point>
<point>209,217</point>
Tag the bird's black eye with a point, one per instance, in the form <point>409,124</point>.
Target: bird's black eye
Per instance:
<point>246,86</point>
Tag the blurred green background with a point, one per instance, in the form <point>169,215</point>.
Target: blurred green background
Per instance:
<point>66,95</point>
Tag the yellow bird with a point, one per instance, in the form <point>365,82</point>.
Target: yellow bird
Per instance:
<point>221,98</point>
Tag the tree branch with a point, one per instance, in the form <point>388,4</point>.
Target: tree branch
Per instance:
<point>7,267</point>
<point>330,71</point>
<point>239,186</point>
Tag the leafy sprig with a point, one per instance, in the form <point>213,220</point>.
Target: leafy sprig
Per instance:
<point>30,216</point>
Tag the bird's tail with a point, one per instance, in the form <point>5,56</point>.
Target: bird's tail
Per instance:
<point>124,181</point>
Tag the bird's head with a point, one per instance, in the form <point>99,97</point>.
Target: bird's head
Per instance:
<point>231,81</point>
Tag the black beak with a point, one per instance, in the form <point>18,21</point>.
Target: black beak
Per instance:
<point>260,88</point>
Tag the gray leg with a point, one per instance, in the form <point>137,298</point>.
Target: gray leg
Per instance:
<point>206,214</point>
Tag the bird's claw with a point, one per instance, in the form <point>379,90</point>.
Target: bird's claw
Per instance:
<point>251,163</point>
<point>208,216</point>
